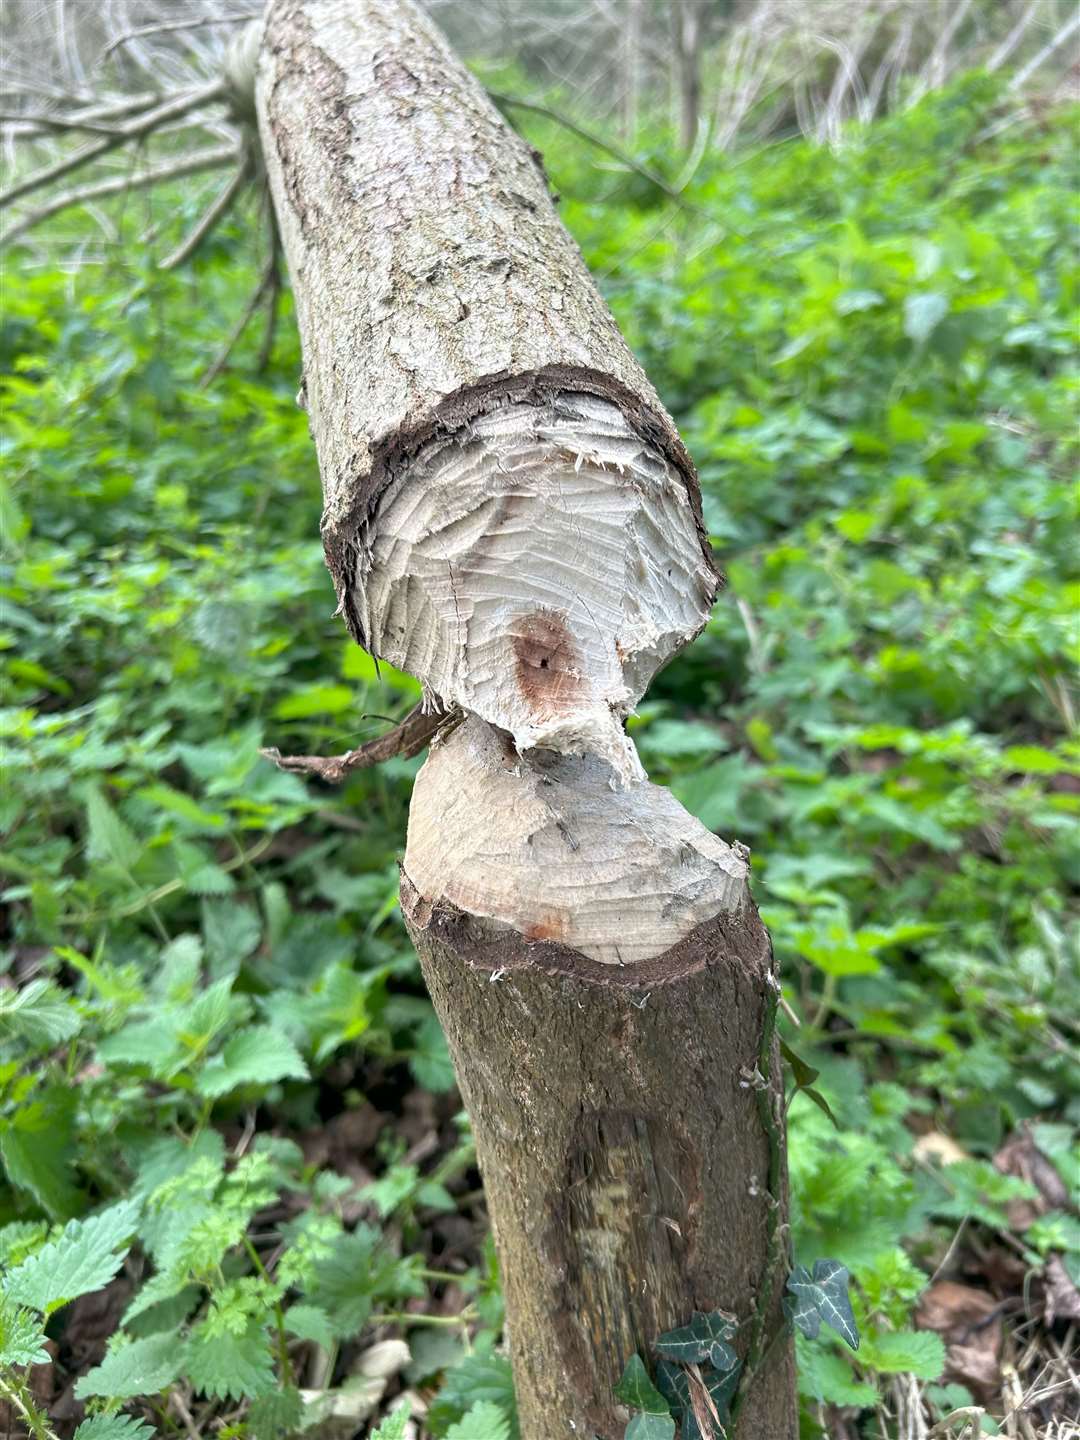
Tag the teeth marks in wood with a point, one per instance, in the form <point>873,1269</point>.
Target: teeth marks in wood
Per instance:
<point>536,568</point>
<point>543,844</point>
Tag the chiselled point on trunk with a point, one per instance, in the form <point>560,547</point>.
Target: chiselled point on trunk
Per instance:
<point>543,845</point>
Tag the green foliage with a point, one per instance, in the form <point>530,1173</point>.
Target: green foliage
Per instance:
<point>703,1341</point>
<point>393,1428</point>
<point>84,1258</point>
<point>869,349</point>
<point>636,1390</point>
<point>485,1421</point>
<point>113,1427</point>
<point>822,1296</point>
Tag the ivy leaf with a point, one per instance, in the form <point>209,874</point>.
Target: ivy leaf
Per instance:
<point>703,1340</point>
<point>805,1074</point>
<point>813,1093</point>
<point>83,1259</point>
<point>113,1427</point>
<point>676,1386</point>
<point>22,1337</point>
<point>141,1367</point>
<point>258,1055</point>
<point>636,1390</point>
<point>822,1295</point>
<point>231,1367</point>
<point>485,1421</point>
<point>651,1427</point>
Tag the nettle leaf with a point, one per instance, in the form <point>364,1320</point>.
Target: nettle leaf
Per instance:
<point>21,1238</point>
<point>825,1375</point>
<point>228,1366</point>
<point>475,1379</point>
<point>258,1055</point>
<point>905,1352</point>
<point>651,1427</point>
<point>276,1414</point>
<point>430,1062</point>
<point>39,1013</point>
<point>22,1336</point>
<point>36,1148</point>
<point>923,313</point>
<point>393,1427</point>
<point>83,1259</point>
<point>359,1271</point>
<point>113,1427</point>
<point>703,1340</point>
<point>822,1295</point>
<point>636,1390</point>
<point>308,1322</point>
<point>231,930</point>
<point>110,838</point>
<point>484,1421</point>
<point>140,1367</point>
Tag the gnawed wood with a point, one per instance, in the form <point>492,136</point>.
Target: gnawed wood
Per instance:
<point>510,515</point>
<point>536,569</point>
<point>548,847</point>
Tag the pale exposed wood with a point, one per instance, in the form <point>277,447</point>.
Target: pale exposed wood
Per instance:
<point>536,569</point>
<point>547,845</point>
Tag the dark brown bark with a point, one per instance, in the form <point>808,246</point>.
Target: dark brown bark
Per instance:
<point>624,1159</point>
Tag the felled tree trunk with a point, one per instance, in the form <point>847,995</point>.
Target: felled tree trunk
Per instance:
<point>511,516</point>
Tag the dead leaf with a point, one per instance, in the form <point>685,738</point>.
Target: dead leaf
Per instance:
<point>1020,1156</point>
<point>936,1146</point>
<point>968,1322</point>
<point>1062,1296</point>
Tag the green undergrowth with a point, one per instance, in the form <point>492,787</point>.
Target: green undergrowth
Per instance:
<point>870,351</point>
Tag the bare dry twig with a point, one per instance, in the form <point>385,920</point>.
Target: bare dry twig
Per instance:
<point>405,740</point>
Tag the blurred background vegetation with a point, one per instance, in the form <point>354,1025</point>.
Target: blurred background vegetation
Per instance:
<point>848,263</point>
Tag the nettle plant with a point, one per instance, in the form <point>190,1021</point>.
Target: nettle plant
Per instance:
<point>230,1256</point>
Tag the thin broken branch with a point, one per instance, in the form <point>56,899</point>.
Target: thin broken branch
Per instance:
<point>404,740</point>
<point>38,122</point>
<point>512,102</point>
<point>172,109</point>
<point>162,27</point>
<point>218,208</point>
<point>201,160</point>
<point>269,284</point>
